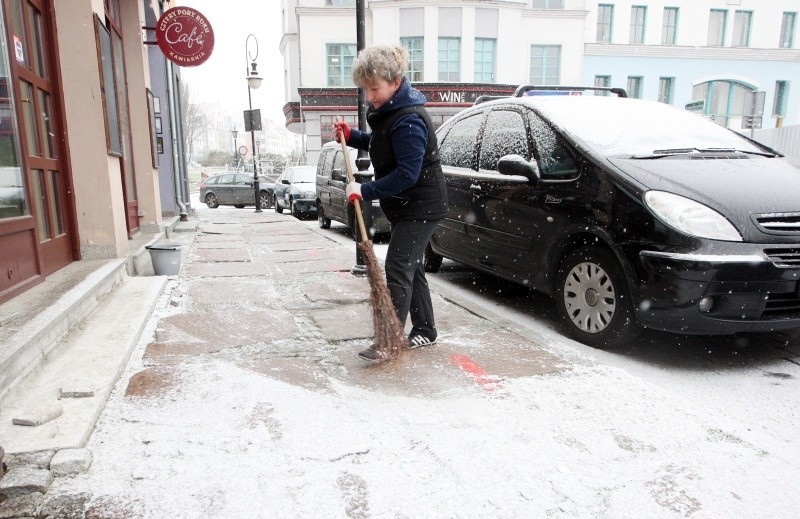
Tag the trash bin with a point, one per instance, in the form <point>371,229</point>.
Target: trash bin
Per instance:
<point>166,258</point>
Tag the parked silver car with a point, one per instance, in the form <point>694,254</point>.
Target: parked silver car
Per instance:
<point>234,189</point>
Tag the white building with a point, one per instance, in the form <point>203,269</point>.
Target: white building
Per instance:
<point>711,51</point>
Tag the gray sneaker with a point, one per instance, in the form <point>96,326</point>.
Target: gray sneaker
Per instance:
<point>371,354</point>
<point>418,341</point>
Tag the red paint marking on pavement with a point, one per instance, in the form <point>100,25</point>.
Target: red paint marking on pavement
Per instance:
<point>478,374</point>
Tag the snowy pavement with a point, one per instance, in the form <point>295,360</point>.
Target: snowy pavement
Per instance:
<point>245,399</point>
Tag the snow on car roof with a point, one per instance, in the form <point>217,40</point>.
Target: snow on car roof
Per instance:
<point>625,126</point>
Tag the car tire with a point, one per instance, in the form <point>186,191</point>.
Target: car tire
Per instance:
<point>593,299</point>
<point>324,223</point>
<point>239,206</point>
<point>211,201</point>
<point>292,211</point>
<point>278,208</point>
<point>430,260</point>
<point>265,199</point>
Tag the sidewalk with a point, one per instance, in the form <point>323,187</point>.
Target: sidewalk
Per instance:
<point>245,398</point>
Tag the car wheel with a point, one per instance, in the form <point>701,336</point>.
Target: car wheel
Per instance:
<point>239,206</point>
<point>324,223</point>
<point>430,260</point>
<point>211,201</point>
<point>265,200</point>
<point>593,300</point>
<point>278,208</point>
<point>291,209</point>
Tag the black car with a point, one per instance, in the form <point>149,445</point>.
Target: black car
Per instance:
<point>234,189</point>
<point>332,203</point>
<point>631,213</point>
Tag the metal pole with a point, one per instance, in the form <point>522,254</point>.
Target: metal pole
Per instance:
<point>362,162</point>
<point>248,58</point>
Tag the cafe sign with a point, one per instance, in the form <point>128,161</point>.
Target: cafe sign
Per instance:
<point>185,36</point>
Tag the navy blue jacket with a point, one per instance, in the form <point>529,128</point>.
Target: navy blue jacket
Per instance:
<point>409,137</point>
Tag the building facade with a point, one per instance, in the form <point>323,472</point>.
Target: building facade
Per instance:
<point>701,53</point>
<point>77,167</point>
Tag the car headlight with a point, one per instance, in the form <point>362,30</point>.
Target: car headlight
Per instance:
<point>309,194</point>
<point>690,217</point>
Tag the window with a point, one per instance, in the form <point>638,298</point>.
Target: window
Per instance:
<point>741,28</point>
<point>666,86</point>
<point>787,30</point>
<point>638,21</point>
<point>669,27</point>
<point>414,46</point>
<point>504,135</point>
<point>545,65</point>
<point>635,87</point>
<point>340,3</point>
<point>485,52</point>
<point>781,98</point>
<point>605,18</point>
<point>548,4</point>
<point>604,82</point>
<point>449,59</point>
<point>554,159</point>
<point>716,27</point>
<point>458,147</point>
<point>723,99</point>
<point>340,58</point>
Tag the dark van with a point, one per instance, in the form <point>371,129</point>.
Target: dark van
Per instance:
<point>331,201</point>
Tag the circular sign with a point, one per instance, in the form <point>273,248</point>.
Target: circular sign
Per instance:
<point>185,36</point>
<point>243,150</point>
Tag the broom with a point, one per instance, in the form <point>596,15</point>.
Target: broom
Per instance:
<point>389,336</point>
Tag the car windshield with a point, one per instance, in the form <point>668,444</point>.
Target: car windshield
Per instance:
<point>308,174</point>
<point>631,127</point>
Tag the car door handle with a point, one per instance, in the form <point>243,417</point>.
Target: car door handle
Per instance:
<point>474,187</point>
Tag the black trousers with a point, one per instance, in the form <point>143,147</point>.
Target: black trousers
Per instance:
<point>405,275</point>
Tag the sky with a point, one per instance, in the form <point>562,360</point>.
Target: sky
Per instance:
<point>223,76</point>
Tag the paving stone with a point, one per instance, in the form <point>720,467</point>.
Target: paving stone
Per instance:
<point>71,461</point>
<point>77,388</point>
<point>230,291</point>
<point>308,267</point>
<point>37,459</point>
<point>230,328</point>
<point>345,322</point>
<point>316,244</point>
<point>231,269</point>
<point>21,506</point>
<point>38,416</point>
<point>220,255</point>
<point>22,481</point>
<point>69,506</point>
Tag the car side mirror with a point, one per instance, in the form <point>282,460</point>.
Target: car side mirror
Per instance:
<point>518,166</point>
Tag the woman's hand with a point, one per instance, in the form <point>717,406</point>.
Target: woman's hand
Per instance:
<point>341,128</point>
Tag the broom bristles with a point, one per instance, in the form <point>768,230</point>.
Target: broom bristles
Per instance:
<point>389,335</point>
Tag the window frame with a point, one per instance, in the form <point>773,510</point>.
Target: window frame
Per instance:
<point>544,67</point>
<point>780,101</point>
<point>723,28</point>
<point>787,33</point>
<point>602,81</point>
<point>484,137</point>
<point>603,9</point>
<point>635,93</point>
<point>738,15</point>
<point>670,90</point>
<point>482,52</point>
<point>638,30</point>
<point>446,74</point>
<point>669,26</point>
<point>416,57</point>
<point>345,73</point>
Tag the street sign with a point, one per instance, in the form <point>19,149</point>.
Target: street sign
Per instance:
<point>753,109</point>
<point>752,122</point>
<point>252,120</point>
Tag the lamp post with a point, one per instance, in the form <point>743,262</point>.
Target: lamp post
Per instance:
<point>234,133</point>
<point>252,120</point>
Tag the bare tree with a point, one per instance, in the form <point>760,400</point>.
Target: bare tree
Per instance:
<point>194,120</point>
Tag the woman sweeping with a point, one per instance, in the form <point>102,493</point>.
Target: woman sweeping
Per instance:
<point>408,181</point>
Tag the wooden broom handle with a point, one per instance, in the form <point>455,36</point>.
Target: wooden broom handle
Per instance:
<point>350,178</point>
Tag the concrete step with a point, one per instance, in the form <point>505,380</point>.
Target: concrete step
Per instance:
<point>90,358</point>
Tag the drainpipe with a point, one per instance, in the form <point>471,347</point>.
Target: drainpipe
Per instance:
<point>176,152</point>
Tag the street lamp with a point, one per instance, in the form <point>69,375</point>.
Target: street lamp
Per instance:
<point>234,133</point>
<point>253,121</point>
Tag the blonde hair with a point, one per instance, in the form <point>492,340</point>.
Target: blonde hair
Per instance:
<point>380,62</point>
